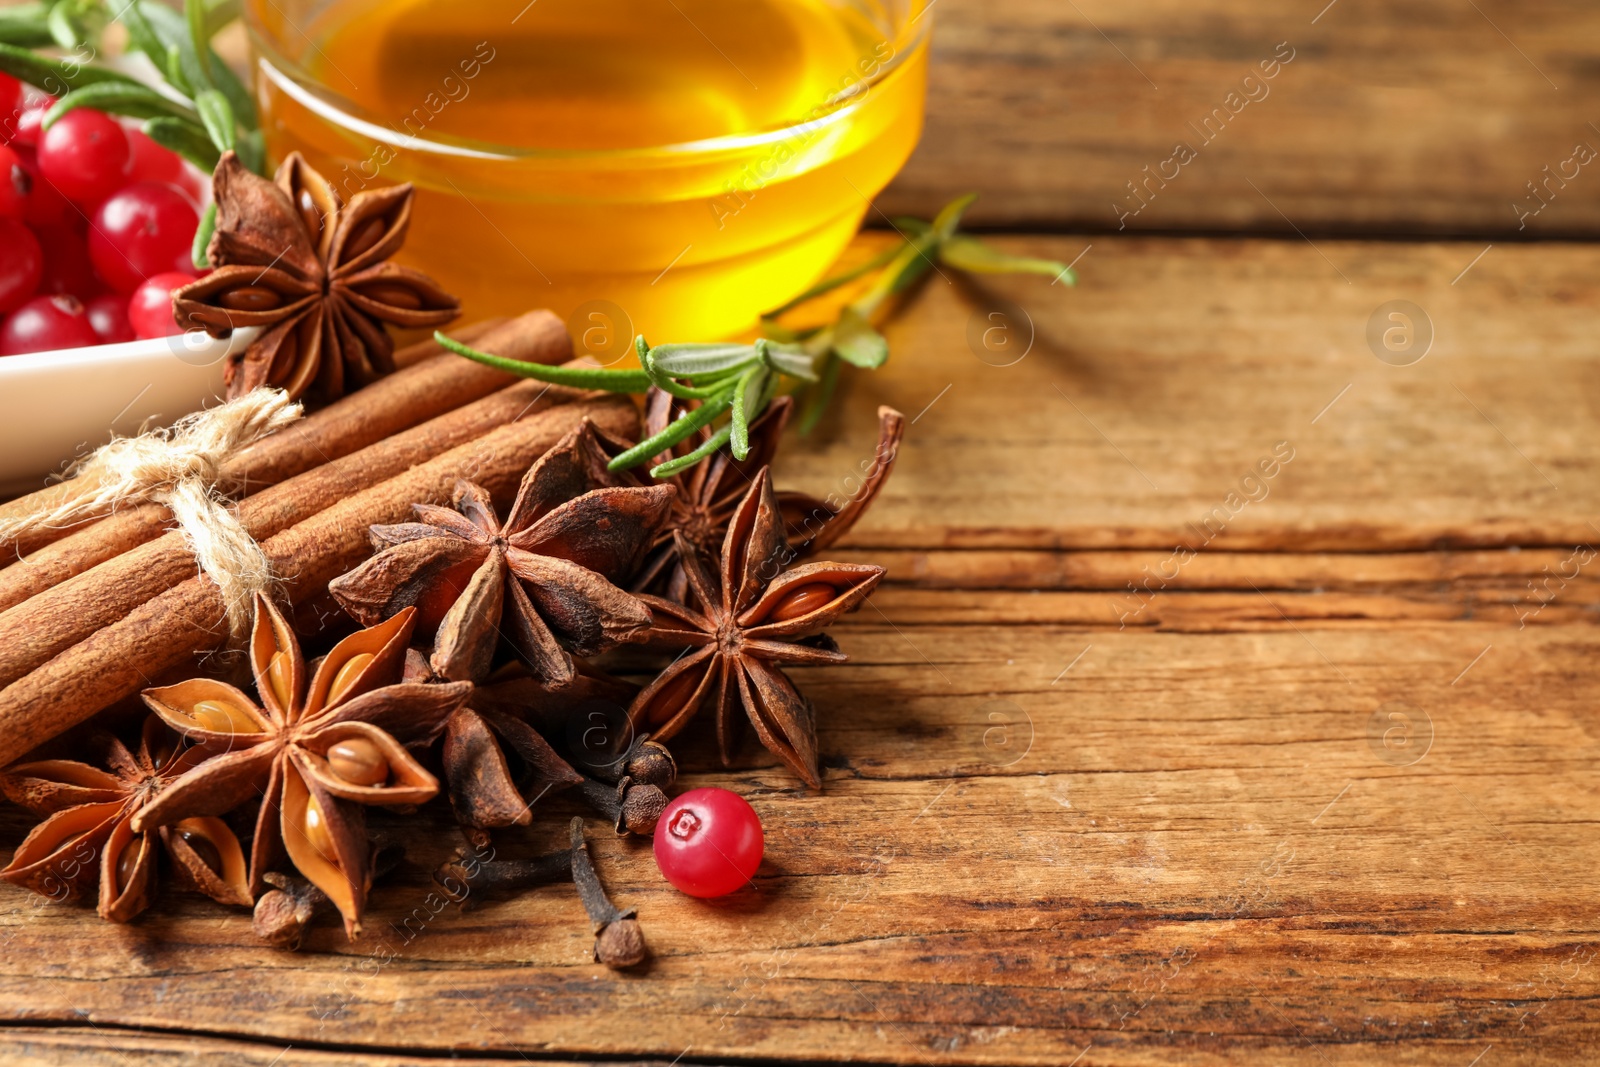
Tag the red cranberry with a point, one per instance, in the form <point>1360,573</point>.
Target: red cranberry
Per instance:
<point>45,206</point>
<point>145,229</point>
<point>23,127</point>
<point>85,154</point>
<point>21,263</point>
<point>108,317</point>
<point>66,263</point>
<point>11,106</point>
<point>708,842</point>
<point>149,162</point>
<point>150,308</point>
<point>45,324</point>
<point>15,184</point>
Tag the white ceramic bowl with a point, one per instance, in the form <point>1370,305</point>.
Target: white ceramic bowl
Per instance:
<point>57,406</point>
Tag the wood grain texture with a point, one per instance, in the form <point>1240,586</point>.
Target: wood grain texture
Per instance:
<point>1153,389</point>
<point>1188,849</point>
<point>1325,796</point>
<point>1424,117</point>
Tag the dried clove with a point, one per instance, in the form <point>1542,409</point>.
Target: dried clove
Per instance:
<point>284,912</point>
<point>463,878</point>
<point>618,941</point>
<point>632,807</point>
<point>647,762</point>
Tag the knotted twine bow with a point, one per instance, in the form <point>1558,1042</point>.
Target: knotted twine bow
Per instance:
<point>181,469</point>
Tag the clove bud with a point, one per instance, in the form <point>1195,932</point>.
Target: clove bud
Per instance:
<point>618,940</point>
<point>647,762</point>
<point>284,912</point>
<point>632,807</point>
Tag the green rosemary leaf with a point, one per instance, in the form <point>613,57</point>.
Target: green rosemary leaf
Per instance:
<point>202,237</point>
<point>612,381</point>
<point>141,35</point>
<point>667,384</point>
<point>25,25</point>
<point>681,427</point>
<point>54,76</point>
<point>252,150</point>
<point>118,98</point>
<point>970,254</point>
<point>63,30</point>
<point>818,395</point>
<point>684,462</point>
<point>217,117</point>
<point>949,216</point>
<point>827,285</point>
<point>664,381</point>
<point>188,139</point>
<point>194,13</point>
<point>178,56</point>
<point>185,137</point>
<point>855,341</point>
<point>700,360</point>
<point>746,406</point>
<point>792,360</point>
<point>172,68</point>
<point>239,98</point>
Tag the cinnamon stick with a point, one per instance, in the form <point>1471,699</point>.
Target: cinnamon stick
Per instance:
<point>58,618</point>
<point>169,630</point>
<point>422,391</point>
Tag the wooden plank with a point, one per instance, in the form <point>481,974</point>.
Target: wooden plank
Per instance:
<point>1424,117</point>
<point>27,1046</point>
<point>1155,388</point>
<point>1325,794</point>
<point>1203,853</point>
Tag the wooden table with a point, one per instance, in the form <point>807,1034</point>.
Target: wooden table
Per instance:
<point>1319,788</point>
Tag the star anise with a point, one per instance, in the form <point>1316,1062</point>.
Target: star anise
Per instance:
<point>546,572</point>
<point>89,833</point>
<point>708,492</point>
<point>746,621</point>
<point>294,259</point>
<point>487,787</point>
<point>315,749</point>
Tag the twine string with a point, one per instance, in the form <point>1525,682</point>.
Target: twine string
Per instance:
<point>181,469</point>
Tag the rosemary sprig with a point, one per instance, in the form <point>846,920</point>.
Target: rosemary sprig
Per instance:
<point>739,380</point>
<point>200,111</point>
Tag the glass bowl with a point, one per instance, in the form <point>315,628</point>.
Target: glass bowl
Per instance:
<point>683,242</point>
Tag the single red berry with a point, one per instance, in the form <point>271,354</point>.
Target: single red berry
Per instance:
<point>85,154</point>
<point>22,126</point>
<point>149,162</point>
<point>708,842</point>
<point>11,106</point>
<point>47,323</point>
<point>66,263</point>
<point>143,230</point>
<point>45,206</point>
<point>108,317</point>
<point>150,307</point>
<point>21,264</point>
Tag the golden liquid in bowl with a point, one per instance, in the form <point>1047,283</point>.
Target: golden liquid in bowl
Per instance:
<point>532,133</point>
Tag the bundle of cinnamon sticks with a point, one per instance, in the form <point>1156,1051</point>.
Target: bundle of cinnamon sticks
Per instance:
<point>92,614</point>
